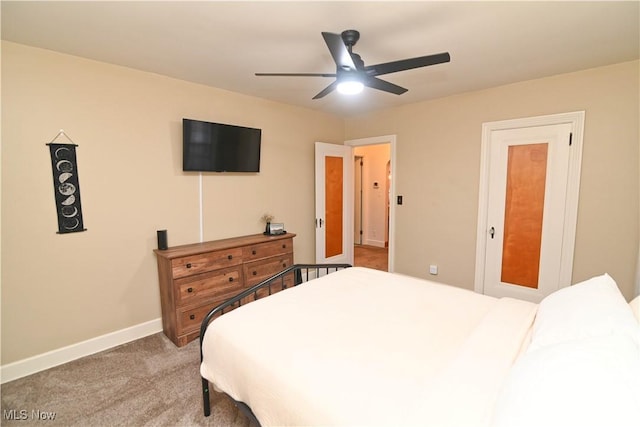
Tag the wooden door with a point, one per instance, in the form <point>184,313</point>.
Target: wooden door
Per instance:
<point>334,203</point>
<point>529,229</point>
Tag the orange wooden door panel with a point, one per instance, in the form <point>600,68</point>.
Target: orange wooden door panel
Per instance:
<point>524,207</point>
<point>333,205</point>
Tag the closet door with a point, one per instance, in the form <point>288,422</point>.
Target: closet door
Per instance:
<point>529,224</point>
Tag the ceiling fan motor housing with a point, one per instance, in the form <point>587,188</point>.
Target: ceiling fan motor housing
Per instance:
<point>350,38</point>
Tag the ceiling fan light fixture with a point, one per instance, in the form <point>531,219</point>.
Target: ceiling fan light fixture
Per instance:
<point>350,87</point>
<point>351,73</point>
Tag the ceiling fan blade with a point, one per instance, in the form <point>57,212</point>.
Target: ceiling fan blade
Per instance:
<point>385,86</point>
<point>326,90</point>
<point>297,74</point>
<point>339,52</point>
<point>407,64</point>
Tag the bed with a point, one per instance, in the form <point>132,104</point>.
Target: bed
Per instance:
<point>365,347</point>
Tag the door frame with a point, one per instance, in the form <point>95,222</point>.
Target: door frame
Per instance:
<point>385,139</point>
<point>576,120</point>
<point>357,199</point>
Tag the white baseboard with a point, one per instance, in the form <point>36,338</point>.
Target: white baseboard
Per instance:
<point>371,242</point>
<point>31,365</point>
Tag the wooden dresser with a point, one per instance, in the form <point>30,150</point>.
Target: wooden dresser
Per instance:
<point>195,278</point>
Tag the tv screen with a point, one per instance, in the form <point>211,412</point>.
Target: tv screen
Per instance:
<point>217,147</point>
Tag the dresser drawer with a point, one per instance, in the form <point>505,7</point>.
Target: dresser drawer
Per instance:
<point>190,319</point>
<point>257,271</point>
<point>195,264</point>
<point>276,286</point>
<point>268,249</point>
<point>216,284</point>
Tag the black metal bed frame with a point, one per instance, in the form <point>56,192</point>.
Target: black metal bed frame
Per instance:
<point>277,280</point>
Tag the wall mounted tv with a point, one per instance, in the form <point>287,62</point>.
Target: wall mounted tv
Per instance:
<point>217,147</point>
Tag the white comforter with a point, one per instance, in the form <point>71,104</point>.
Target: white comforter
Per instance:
<point>364,347</point>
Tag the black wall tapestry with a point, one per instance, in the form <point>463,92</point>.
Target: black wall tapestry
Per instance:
<point>66,186</point>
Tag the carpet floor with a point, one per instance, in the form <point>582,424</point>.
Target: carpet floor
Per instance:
<point>147,382</point>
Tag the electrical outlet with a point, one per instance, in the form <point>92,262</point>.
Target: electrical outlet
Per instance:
<point>433,269</point>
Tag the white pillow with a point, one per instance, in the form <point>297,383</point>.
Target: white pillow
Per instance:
<point>635,307</point>
<point>592,382</point>
<point>591,308</point>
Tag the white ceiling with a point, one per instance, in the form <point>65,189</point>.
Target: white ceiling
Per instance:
<point>222,44</point>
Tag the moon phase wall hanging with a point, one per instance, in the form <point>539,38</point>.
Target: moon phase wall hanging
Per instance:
<point>66,186</point>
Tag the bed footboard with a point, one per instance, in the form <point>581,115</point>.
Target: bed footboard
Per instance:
<point>301,273</point>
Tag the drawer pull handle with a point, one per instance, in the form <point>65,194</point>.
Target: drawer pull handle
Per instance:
<point>193,316</point>
<point>190,290</point>
<point>188,265</point>
<point>255,273</point>
<point>231,279</point>
<point>253,252</point>
<point>230,257</point>
<point>284,246</point>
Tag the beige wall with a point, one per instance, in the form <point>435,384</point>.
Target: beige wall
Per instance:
<point>438,167</point>
<point>58,290</point>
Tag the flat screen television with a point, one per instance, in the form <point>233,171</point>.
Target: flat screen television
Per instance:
<point>217,147</point>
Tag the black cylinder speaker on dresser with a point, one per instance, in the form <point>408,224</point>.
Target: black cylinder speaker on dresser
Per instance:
<point>162,239</point>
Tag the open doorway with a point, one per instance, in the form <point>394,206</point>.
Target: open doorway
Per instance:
<point>373,184</point>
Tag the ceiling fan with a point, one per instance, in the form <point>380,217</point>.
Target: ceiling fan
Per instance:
<point>351,73</point>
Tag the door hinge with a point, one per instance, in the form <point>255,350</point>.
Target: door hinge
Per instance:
<point>570,138</point>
